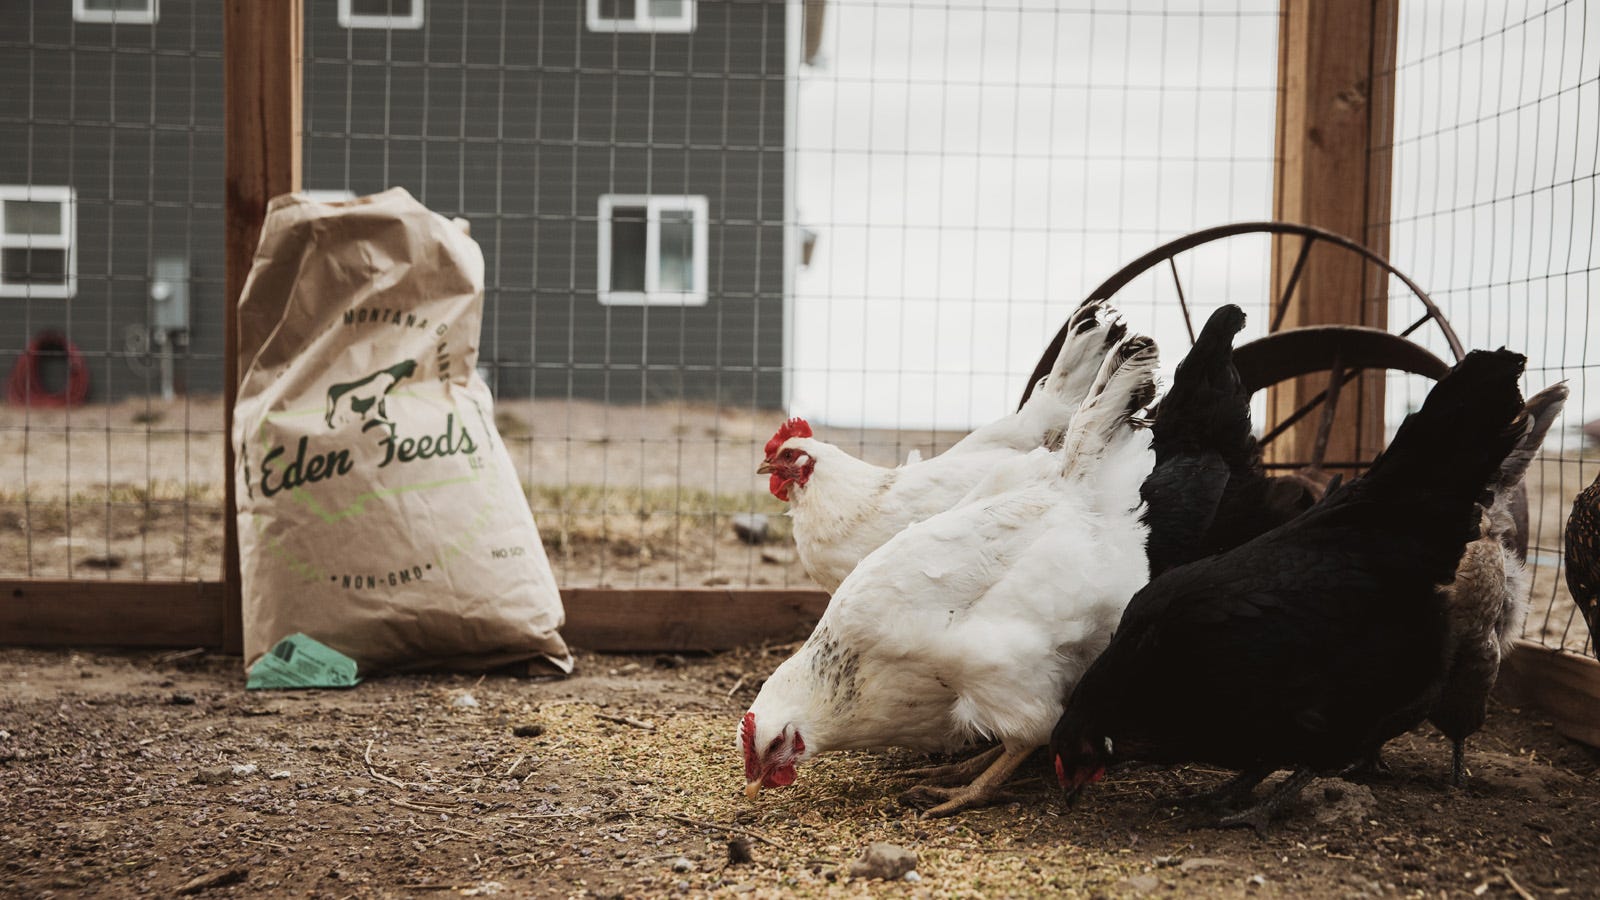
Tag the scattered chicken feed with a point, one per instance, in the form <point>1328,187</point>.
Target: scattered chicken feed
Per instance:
<point>149,773</point>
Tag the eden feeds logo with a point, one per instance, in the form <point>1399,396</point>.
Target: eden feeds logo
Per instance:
<point>363,401</point>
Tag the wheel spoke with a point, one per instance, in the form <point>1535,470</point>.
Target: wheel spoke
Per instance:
<point>1294,280</point>
<point>1303,411</point>
<point>1183,304</point>
<point>1319,450</point>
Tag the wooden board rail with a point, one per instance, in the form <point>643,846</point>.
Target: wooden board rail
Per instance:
<point>1562,685</point>
<point>183,614</point>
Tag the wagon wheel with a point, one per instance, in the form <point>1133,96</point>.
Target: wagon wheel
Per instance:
<point>1342,351</point>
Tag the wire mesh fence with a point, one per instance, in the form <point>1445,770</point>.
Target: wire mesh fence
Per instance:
<point>1495,195</point>
<point>111,141</point>
<point>701,217</point>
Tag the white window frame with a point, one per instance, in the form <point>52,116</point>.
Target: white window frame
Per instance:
<point>654,205</point>
<point>642,20</point>
<point>65,240</point>
<point>328,195</point>
<point>147,16</point>
<point>348,19</point>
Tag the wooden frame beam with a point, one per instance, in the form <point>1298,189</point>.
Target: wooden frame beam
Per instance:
<point>261,60</point>
<point>183,614</point>
<point>1336,65</point>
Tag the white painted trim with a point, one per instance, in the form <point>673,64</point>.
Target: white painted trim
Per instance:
<point>642,20</point>
<point>411,20</point>
<point>652,295</point>
<point>147,16</point>
<point>65,240</point>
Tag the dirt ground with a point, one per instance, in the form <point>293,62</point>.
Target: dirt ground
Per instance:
<point>137,773</point>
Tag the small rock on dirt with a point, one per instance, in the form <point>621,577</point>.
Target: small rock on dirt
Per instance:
<point>739,852</point>
<point>671,661</point>
<point>1337,800</point>
<point>107,562</point>
<point>750,527</point>
<point>466,701</point>
<point>529,730</point>
<point>214,775</point>
<point>683,864</point>
<point>1200,862</point>
<point>214,879</point>
<point>180,700</point>
<point>883,860</point>
<point>1143,884</point>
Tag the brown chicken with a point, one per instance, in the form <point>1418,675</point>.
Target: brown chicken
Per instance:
<point>1488,601</point>
<point>1583,559</point>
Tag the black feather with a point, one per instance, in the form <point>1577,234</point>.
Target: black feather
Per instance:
<point>1208,491</point>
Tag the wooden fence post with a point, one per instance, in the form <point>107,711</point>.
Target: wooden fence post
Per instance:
<point>1336,62</point>
<point>261,58</point>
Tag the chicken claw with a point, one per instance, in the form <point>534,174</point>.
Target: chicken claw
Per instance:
<point>981,792</point>
<point>956,772</point>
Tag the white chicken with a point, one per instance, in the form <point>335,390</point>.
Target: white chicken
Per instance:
<point>975,624</point>
<point>844,508</point>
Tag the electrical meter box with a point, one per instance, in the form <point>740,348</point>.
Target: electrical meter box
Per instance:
<point>169,294</point>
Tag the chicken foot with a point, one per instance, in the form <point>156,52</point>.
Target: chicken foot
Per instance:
<point>1229,795</point>
<point>1277,800</point>
<point>981,792</point>
<point>955,773</point>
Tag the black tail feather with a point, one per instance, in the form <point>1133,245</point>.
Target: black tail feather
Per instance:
<point>1454,445</point>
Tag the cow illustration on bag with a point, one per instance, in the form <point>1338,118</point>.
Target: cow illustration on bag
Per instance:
<point>364,400</point>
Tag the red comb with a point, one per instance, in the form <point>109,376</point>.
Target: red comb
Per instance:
<point>795,427</point>
<point>747,735</point>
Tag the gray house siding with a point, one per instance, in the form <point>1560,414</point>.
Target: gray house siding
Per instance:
<point>130,117</point>
<point>510,114</point>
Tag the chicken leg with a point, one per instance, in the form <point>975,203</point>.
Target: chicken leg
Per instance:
<point>965,770</point>
<point>981,792</point>
<point>1277,800</point>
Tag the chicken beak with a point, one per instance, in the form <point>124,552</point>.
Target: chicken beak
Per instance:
<point>764,468</point>
<point>752,788</point>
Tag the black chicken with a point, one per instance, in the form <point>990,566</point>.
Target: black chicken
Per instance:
<point>1583,559</point>
<point>1208,491</point>
<point>1311,645</point>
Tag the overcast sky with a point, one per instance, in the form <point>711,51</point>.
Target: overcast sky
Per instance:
<point>975,169</point>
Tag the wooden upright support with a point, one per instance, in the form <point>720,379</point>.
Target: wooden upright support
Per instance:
<point>1336,62</point>
<point>261,58</point>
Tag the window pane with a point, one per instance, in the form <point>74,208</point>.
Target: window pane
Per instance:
<point>666,9</point>
<point>628,230</point>
<point>397,8</point>
<point>33,217</point>
<point>117,5</point>
<point>677,250</point>
<point>19,265</point>
<point>617,9</point>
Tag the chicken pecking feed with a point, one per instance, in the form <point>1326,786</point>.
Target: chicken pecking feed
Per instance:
<point>971,625</point>
<point>1313,644</point>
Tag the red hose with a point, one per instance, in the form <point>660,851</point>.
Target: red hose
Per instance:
<point>26,387</point>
